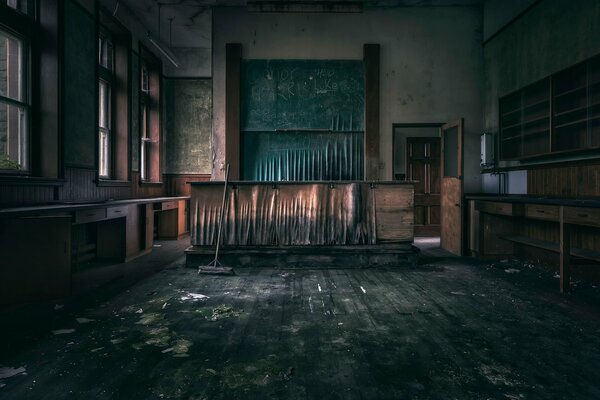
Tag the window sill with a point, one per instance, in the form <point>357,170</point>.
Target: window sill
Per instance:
<point>112,183</point>
<point>150,183</point>
<point>27,180</point>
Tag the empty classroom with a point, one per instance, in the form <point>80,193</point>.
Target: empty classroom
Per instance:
<point>285,199</point>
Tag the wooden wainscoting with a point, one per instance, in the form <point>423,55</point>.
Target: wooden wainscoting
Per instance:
<point>565,181</point>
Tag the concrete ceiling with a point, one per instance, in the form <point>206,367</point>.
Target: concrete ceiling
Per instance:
<point>187,23</point>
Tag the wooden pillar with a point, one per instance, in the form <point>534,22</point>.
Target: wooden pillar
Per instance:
<point>233,58</point>
<point>371,61</point>
<point>565,251</point>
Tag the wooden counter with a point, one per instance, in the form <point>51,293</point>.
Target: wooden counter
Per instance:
<point>501,225</point>
<point>302,214</point>
<point>41,246</point>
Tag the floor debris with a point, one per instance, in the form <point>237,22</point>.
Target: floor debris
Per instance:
<point>8,372</point>
<point>512,271</point>
<point>63,331</point>
<point>84,320</point>
<point>194,297</point>
<point>224,311</point>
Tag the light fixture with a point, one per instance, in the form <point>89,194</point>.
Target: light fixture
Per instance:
<point>305,6</point>
<point>164,50</point>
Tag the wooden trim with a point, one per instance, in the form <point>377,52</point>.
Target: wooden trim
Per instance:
<point>30,181</point>
<point>233,58</point>
<point>112,183</point>
<point>371,55</point>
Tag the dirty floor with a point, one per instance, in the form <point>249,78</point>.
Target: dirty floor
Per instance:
<point>449,328</point>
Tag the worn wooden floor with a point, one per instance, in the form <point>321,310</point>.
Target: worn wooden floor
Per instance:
<point>449,329</point>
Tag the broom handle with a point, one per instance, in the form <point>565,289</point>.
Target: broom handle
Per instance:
<point>222,213</point>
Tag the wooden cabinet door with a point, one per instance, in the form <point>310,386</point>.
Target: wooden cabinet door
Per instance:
<point>39,267</point>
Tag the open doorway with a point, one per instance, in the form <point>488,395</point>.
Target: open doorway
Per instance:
<point>416,156</point>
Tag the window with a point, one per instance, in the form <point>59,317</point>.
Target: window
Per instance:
<point>105,61</point>
<point>20,5</point>
<point>149,118</point>
<point>15,108</point>
<point>114,49</point>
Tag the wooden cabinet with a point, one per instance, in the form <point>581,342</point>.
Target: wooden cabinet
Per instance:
<point>173,220</point>
<point>525,122</point>
<point>38,268</point>
<point>559,114</point>
<point>494,230</point>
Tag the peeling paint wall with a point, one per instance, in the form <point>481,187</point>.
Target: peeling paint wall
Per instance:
<point>550,37</point>
<point>431,64</point>
<point>188,126</point>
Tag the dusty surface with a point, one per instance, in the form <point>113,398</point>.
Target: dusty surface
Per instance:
<point>446,329</point>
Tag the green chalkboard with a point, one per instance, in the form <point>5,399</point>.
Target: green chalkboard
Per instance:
<point>302,94</point>
<point>79,111</point>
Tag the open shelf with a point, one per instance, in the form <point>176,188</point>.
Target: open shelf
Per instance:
<point>551,246</point>
<point>556,114</point>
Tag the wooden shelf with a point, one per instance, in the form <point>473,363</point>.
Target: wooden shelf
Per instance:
<point>535,120</point>
<point>538,103</point>
<point>579,121</point>
<point>569,92</point>
<point>536,132</point>
<point>551,246</point>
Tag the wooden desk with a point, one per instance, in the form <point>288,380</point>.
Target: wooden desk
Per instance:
<point>40,245</point>
<point>499,223</point>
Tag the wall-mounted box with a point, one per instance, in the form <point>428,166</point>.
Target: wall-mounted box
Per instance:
<point>487,149</point>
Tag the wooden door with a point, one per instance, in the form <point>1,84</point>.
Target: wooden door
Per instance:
<point>423,166</point>
<point>451,237</point>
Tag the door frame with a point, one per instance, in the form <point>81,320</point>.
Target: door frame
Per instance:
<point>412,125</point>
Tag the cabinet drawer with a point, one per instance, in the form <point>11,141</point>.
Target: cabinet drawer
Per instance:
<point>493,207</point>
<point>168,205</point>
<point>95,214</point>
<point>545,212</point>
<point>116,212</point>
<point>582,216</point>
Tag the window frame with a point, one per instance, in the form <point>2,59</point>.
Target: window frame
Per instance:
<point>20,26</point>
<point>150,137</point>
<point>106,77</point>
<point>118,77</point>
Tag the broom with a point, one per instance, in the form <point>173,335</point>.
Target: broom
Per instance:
<point>215,267</point>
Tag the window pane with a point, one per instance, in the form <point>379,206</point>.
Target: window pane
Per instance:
<point>104,105</point>
<point>145,84</point>
<point>104,165</point>
<point>14,151</point>
<point>451,152</point>
<point>19,5</point>
<point>105,53</point>
<point>12,68</point>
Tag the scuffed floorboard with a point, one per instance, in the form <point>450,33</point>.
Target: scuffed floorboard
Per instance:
<point>452,329</point>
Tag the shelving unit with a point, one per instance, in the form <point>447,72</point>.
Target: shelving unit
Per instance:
<point>525,122</point>
<point>557,115</point>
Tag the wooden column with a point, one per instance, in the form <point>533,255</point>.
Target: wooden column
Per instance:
<point>565,251</point>
<point>233,58</point>
<point>371,61</point>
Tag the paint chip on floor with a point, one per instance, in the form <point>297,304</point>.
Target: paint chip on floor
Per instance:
<point>84,320</point>
<point>319,286</point>
<point>63,331</point>
<point>363,289</point>
<point>194,297</point>
<point>8,372</point>
<point>512,271</point>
